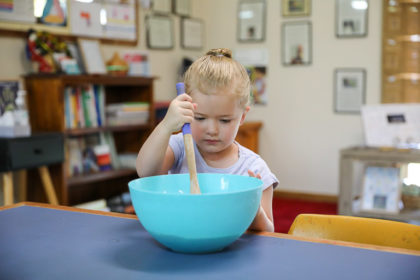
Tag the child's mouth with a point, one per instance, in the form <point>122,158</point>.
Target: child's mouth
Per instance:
<point>211,142</point>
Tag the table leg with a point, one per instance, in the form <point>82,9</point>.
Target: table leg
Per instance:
<point>48,186</point>
<point>22,190</point>
<point>8,188</point>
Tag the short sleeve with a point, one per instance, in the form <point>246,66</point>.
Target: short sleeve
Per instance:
<point>260,167</point>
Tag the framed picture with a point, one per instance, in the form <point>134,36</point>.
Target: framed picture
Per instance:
<point>296,8</point>
<point>192,33</point>
<point>162,6</point>
<point>182,7</point>
<point>92,56</point>
<point>159,32</point>
<point>297,45</point>
<point>349,94</point>
<point>351,18</point>
<point>251,21</point>
<point>381,189</point>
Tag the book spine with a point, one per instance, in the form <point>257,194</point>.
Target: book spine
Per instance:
<point>85,106</point>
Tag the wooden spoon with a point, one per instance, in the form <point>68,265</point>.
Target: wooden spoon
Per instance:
<point>189,149</point>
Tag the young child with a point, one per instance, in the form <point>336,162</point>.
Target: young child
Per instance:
<point>215,103</point>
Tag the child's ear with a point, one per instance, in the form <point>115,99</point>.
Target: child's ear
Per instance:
<point>246,110</point>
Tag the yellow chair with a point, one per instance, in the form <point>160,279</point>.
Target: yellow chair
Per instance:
<point>357,229</point>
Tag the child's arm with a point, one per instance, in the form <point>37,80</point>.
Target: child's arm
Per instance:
<point>155,157</point>
<point>263,221</point>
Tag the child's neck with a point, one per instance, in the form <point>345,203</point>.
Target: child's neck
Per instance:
<point>222,159</point>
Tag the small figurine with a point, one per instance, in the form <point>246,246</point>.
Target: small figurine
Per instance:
<point>117,66</point>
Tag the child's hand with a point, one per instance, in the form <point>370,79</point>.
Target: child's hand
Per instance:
<point>180,111</point>
<point>252,174</point>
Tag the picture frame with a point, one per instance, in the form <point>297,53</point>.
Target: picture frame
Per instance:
<point>349,90</point>
<point>159,32</point>
<point>192,33</point>
<point>381,191</point>
<point>161,6</point>
<point>296,8</point>
<point>251,20</point>
<point>92,56</point>
<point>182,7</point>
<point>297,43</point>
<point>351,18</point>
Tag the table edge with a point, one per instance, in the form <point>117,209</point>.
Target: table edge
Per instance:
<point>268,234</point>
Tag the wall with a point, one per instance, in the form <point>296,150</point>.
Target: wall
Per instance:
<point>301,136</point>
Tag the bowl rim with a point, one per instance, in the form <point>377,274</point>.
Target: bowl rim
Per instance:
<point>260,186</point>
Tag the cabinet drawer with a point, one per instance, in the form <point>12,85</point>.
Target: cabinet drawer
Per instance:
<point>37,150</point>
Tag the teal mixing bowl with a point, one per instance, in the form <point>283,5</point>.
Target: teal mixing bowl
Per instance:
<point>196,223</point>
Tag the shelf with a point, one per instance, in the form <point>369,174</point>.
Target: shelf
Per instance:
<point>92,130</point>
<point>47,113</point>
<point>99,176</point>
<point>99,79</point>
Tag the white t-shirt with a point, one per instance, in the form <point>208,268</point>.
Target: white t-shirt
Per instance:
<point>248,160</point>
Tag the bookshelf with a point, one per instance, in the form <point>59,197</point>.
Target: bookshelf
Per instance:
<point>401,51</point>
<point>47,110</point>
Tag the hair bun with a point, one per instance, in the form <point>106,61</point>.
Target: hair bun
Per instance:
<point>220,52</point>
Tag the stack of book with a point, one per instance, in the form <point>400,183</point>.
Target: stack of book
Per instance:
<point>84,106</point>
<point>92,153</point>
<point>129,113</point>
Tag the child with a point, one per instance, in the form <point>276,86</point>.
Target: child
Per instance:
<point>215,103</point>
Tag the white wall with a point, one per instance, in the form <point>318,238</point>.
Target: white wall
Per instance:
<point>302,136</point>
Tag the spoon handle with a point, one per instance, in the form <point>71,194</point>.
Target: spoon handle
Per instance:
<point>189,149</point>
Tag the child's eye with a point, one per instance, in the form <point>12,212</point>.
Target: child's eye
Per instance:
<point>225,120</point>
<point>199,118</point>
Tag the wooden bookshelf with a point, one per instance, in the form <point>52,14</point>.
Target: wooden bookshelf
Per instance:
<point>47,113</point>
<point>401,51</point>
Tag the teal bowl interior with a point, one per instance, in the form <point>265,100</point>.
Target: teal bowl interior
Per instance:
<point>196,223</point>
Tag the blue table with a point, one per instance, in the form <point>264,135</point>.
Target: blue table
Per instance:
<point>40,241</point>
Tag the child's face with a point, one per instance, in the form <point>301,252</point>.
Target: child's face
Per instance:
<point>216,120</point>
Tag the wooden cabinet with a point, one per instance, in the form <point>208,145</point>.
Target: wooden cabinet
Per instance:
<point>401,51</point>
<point>47,113</point>
<point>248,135</point>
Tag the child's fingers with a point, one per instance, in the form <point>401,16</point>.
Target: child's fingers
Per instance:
<point>252,174</point>
<point>184,97</point>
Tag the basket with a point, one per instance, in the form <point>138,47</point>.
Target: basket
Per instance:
<point>411,201</point>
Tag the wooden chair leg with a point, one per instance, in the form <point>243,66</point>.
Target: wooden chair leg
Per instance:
<point>8,188</point>
<point>48,186</point>
<point>22,180</point>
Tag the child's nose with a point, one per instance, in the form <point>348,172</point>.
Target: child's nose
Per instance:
<point>213,127</point>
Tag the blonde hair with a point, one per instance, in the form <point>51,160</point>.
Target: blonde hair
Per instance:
<point>218,70</point>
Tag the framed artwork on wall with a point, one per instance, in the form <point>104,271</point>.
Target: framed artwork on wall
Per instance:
<point>297,45</point>
<point>251,21</point>
<point>351,18</point>
<point>92,56</point>
<point>159,32</point>
<point>192,33</point>
<point>162,6</point>
<point>296,8</point>
<point>349,93</point>
<point>182,7</point>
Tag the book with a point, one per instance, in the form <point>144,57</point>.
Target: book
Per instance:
<point>99,204</point>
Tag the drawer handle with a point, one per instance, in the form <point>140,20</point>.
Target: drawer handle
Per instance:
<point>37,151</point>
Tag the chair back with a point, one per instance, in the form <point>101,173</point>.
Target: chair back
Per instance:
<point>357,229</point>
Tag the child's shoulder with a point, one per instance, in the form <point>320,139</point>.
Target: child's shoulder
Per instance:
<point>248,154</point>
